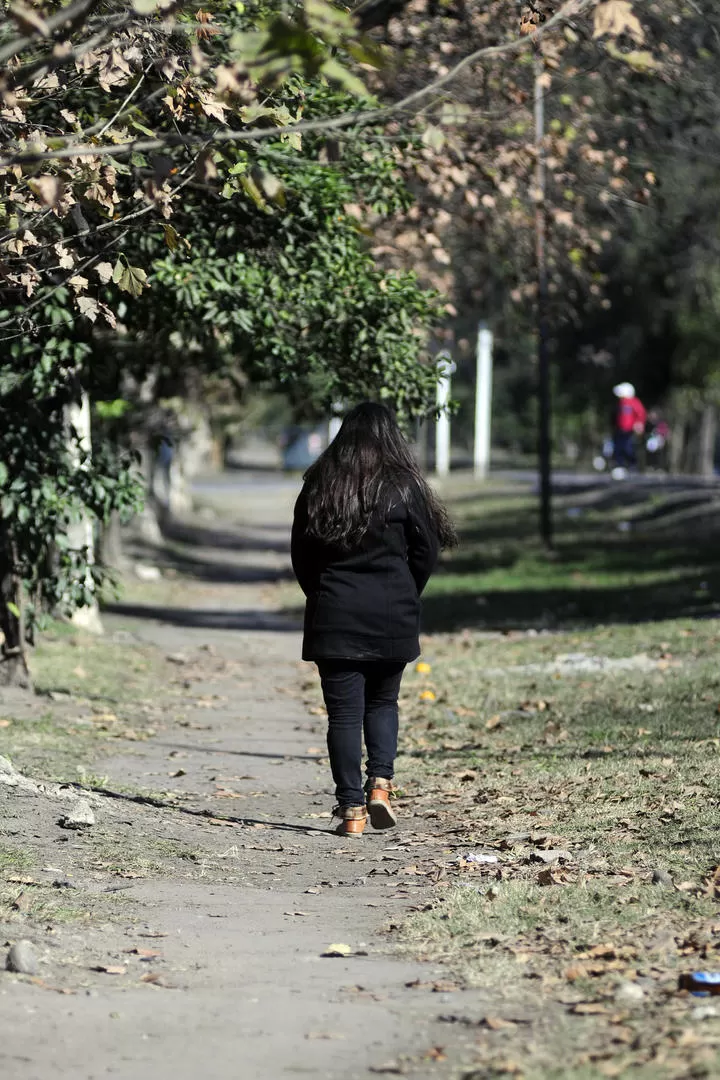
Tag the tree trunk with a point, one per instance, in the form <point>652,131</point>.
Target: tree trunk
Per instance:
<point>111,544</point>
<point>13,656</point>
<point>677,442</point>
<point>707,438</point>
<point>80,534</point>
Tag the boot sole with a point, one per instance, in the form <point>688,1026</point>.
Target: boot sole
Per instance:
<point>381,815</point>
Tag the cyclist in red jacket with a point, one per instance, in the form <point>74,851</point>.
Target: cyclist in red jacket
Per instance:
<point>630,418</point>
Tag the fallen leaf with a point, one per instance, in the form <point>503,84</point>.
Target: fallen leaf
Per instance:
<point>37,981</point>
<point>442,986</point>
<point>155,979</point>
<point>338,950</point>
<point>547,877</point>
<point>496,1023</point>
<point>589,1008</point>
<point>508,1066</point>
<point>551,855</point>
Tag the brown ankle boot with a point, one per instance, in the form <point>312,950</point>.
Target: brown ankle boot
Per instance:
<point>354,820</point>
<point>380,809</point>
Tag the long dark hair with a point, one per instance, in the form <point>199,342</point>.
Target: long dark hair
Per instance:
<point>368,458</point>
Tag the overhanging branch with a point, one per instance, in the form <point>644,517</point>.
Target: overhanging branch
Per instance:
<point>356,118</point>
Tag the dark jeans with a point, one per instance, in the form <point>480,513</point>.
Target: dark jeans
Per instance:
<point>360,696</point>
<point>624,449</point>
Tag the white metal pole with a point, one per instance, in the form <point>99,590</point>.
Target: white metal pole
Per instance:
<point>483,401</point>
<point>334,426</point>
<point>336,420</point>
<point>442,426</point>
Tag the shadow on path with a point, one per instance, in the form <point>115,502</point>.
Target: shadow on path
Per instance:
<point>211,618</point>
<point>240,753</point>
<point>150,800</point>
<point>240,539</point>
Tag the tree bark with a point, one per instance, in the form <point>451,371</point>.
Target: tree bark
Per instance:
<point>707,438</point>
<point>13,656</point>
<point>80,534</point>
<point>677,442</point>
<point>111,544</point>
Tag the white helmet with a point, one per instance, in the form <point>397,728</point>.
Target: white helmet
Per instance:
<point>624,390</point>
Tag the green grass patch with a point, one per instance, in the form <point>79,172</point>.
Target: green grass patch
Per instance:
<point>620,554</point>
<point>88,691</point>
<point>562,714</point>
<point>13,860</point>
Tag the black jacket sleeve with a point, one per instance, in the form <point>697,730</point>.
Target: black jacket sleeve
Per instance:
<point>301,549</point>
<point>422,542</point>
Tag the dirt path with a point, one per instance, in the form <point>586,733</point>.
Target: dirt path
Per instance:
<point>228,918</point>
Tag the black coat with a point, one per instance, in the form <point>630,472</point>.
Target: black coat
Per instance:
<point>364,604</point>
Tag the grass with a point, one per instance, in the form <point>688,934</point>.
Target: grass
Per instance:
<point>13,860</point>
<point>600,741</point>
<point>69,662</point>
<point>88,691</point>
<point>620,554</point>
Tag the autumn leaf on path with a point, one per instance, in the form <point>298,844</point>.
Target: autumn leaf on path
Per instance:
<point>338,950</point>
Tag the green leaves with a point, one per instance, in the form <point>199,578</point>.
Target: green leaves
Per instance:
<point>173,238</point>
<point>329,21</point>
<point>130,279</point>
<point>640,60</point>
<point>112,410</point>
<point>335,71</point>
<point>306,44</point>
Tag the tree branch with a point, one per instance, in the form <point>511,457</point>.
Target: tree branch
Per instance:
<point>43,296</point>
<point>358,118</point>
<point>74,14</point>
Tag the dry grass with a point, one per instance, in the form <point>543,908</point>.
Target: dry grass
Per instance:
<point>603,743</point>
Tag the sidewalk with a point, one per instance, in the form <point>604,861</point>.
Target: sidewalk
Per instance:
<point>229,915</point>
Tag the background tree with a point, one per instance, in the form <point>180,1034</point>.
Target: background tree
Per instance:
<point>120,263</point>
<point>630,204</point>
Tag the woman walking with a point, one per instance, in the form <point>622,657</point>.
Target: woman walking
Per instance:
<point>365,540</point>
